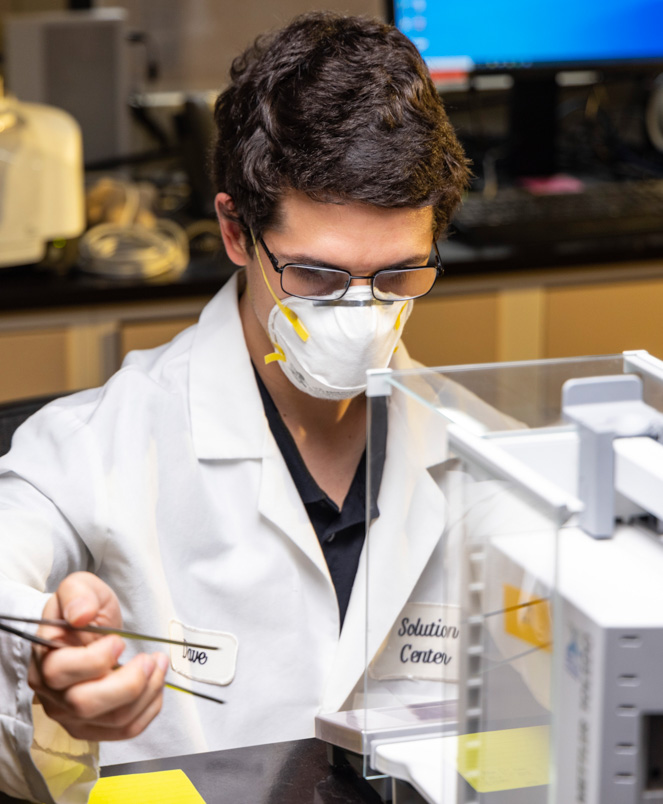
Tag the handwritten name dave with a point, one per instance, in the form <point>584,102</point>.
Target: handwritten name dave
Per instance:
<point>193,655</point>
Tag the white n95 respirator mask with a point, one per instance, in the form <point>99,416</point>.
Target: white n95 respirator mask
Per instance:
<point>326,347</point>
<point>345,339</point>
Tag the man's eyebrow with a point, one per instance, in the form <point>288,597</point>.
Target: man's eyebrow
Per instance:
<point>307,259</point>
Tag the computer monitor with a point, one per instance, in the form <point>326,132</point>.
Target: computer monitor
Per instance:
<point>532,41</point>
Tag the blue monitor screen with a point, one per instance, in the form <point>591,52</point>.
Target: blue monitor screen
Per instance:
<point>513,34</point>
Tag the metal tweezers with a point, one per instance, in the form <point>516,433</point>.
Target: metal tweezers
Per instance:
<point>97,629</point>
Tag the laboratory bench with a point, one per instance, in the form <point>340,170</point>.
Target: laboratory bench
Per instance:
<point>61,330</point>
<point>296,772</point>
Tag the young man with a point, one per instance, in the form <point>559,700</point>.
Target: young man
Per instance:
<point>214,488</point>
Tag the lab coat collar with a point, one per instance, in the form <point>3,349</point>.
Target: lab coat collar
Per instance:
<point>400,543</point>
<point>227,417</point>
<point>280,502</point>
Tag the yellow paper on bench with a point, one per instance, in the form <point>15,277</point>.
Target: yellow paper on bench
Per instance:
<point>161,787</point>
<point>505,760</point>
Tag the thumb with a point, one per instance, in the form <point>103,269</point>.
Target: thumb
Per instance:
<point>81,597</point>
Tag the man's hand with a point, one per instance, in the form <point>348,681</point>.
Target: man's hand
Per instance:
<point>78,685</point>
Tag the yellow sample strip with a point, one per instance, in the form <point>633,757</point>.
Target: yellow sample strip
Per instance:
<point>504,760</point>
<point>162,787</point>
<point>527,618</point>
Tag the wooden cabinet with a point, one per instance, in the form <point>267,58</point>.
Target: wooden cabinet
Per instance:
<point>599,319</point>
<point>148,334</point>
<point>567,312</point>
<point>33,362</point>
<point>443,330</point>
<point>64,350</point>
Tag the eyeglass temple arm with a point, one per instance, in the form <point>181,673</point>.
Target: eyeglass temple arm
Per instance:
<point>438,259</point>
<point>271,257</point>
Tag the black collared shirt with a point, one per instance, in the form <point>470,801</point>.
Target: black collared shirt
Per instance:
<point>341,531</point>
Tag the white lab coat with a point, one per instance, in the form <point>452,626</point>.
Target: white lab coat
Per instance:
<point>168,484</point>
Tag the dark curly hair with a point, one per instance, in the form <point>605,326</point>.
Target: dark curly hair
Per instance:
<point>340,108</point>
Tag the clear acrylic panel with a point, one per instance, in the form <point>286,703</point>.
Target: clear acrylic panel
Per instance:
<point>462,575</point>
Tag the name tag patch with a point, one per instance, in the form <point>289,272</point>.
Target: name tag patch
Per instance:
<point>208,666</point>
<point>423,644</point>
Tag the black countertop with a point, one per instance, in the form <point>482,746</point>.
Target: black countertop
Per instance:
<point>36,287</point>
<point>283,773</point>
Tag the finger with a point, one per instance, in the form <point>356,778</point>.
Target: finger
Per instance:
<point>91,700</point>
<point>83,597</point>
<point>123,716</point>
<point>120,723</point>
<point>62,668</point>
<point>144,719</point>
<point>80,599</point>
<point>93,732</point>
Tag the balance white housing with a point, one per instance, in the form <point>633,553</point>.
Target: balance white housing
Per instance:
<point>41,180</point>
<point>551,552</point>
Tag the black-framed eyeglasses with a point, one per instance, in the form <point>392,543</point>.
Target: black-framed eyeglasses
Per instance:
<point>319,283</point>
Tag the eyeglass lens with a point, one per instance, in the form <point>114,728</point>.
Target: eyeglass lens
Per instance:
<point>318,283</point>
<point>310,282</point>
<point>394,285</point>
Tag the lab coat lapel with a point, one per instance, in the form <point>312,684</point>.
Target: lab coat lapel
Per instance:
<point>280,503</point>
<point>227,416</point>
<point>400,542</point>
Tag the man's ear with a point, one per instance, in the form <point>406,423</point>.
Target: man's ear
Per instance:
<point>231,232</point>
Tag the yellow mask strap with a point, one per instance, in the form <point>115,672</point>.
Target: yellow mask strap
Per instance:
<point>292,317</point>
<point>279,354</point>
<point>398,319</point>
<point>398,323</point>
